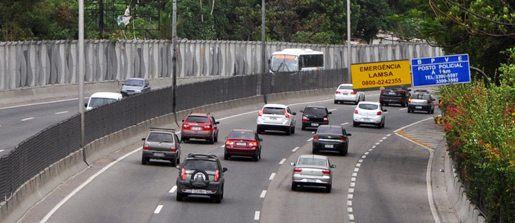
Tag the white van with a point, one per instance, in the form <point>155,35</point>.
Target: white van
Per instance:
<point>102,98</point>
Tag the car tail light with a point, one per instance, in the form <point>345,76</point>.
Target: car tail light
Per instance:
<point>338,92</point>
<point>229,143</point>
<point>183,174</point>
<point>409,100</point>
<point>356,111</point>
<point>253,143</point>
<point>145,147</point>
<point>379,113</point>
<point>173,149</point>
<point>342,139</point>
<point>305,118</point>
<point>401,92</point>
<point>383,91</point>
<point>316,137</point>
<point>185,126</point>
<point>261,112</point>
<point>353,92</point>
<point>208,126</point>
<point>297,170</point>
<point>326,171</point>
<point>286,114</point>
<point>216,176</point>
<point>428,101</point>
<point>326,120</point>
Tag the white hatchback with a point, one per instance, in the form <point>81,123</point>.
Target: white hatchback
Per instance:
<point>276,117</point>
<point>346,93</point>
<point>367,112</point>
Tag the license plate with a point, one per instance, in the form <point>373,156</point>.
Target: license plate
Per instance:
<point>196,128</point>
<point>314,124</point>
<point>311,180</point>
<point>198,191</point>
<point>159,154</point>
<point>272,118</point>
<point>329,146</point>
<point>418,107</point>
<point>241,143</point>
<point>391,93</point>
<point>366,120</point>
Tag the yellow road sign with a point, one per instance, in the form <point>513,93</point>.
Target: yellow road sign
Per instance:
<point>381,74</point>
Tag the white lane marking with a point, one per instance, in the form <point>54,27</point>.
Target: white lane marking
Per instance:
<point>282,161</point>
<point>352,184</point>
<point>263,194</point>
<point>70,195</point>
<point>26,119</point>
<point>256,215</point>
<point>351,190</point>
<point>349,209</point>
<point>354,174</point>
<point>62,112</point>
<point>349,203</point>
<point>350,196</point>
<point>345,123</point>
<point>222,146</point>
<point>310,139</point>
<point>353,179</point>
<point>272,176</point>
<point>1,150</point>
<point>295,149</point>
<point>41,103</point>
<point>158,209</point>
<point>173,189</point>
<point>356,169</point>
<point>351,217</point>
<point>334,109</point>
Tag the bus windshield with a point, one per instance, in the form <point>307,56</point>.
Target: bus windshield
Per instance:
<point>284,63</point>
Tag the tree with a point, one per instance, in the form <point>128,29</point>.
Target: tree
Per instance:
<point>12,12</point>
<point>372,18</point>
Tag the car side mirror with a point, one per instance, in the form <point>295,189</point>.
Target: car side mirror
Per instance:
<point>260,139</point>
<point>183,120</point>
<point>385,110</point>
<point>348,134</point>
<point>294,113</point>
<point>224,169</point>
<point>302,111</point>
<point>329,113</point>
<point>333,166</point>
<point>178,167</point>
<point>143,139</point>
<point>217,123</point>
<point>292,164</point>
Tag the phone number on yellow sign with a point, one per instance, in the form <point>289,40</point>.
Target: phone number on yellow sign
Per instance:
<point>381,82</point>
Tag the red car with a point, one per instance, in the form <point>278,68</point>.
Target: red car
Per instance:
<point>242,142</point>
<point>200,126</point>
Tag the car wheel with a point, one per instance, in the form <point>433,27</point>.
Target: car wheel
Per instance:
<point>217,198</point>
<point>174,162</point>
<point>383,124</point>
<point>259,130</point>
<point>314,151</point>
<point>403,104</point>
<point>216,138</point>
<point>144,160</point>
<point>343,152</point>
<point>226,156</point>
<point>328,188</point>
<point>211,140</point>
<point>293,186</point>
<point>409,110</point>
<point>255,158</point>
<point>293,130</point>
<point>179,196</point>
<point>303,127</point>
<point>335,101</point>
<point>288,130</point>
<point>259,154</point>
<point>355,124</point>
<point>184,139</point>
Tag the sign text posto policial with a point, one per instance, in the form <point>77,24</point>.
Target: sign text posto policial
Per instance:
<point>440,70</point>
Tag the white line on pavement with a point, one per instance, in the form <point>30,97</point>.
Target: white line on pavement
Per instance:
<point>173,189</point>
<point>1,150</point>
<point>256,215</point>
<point>282,161</point>
<point>295,149</point>
<point>334,109</point>
<point>26,119</point>
<point>345,123</point>
<point>158,209</point>
<point>310,139</point>
<point>62,112</point>
<point>272,176</point>
<point>263,194</point>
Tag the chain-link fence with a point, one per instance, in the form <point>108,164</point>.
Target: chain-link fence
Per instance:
<point>40,151</point>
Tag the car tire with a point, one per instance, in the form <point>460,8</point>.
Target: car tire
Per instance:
<point>216,138</point>
<point>144,160</point>
<point>335,101</point>
<point>355,124</point>
<point>293,186</point>
<point>293,130</point>
<point>314,151</point>
<point>259,130</point>
<point>179,196</point>
<point>184,139</point>
<point>174,162</point>
<point>259,154</point>
<point>255,158</point>
<point>226,156</point>
<point>328,188</point>
<point>303,127</point>
<point>288,130</point>
<point>382,124</point>
<point>343,152</point>
<point>217,198</point>
<point>211,140</point>
<point>409,110</point>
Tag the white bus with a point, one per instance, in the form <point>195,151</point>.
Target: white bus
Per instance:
<point>293,60</point>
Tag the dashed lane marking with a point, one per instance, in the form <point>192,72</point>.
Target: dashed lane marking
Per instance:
<point>26,119</point>
<point>173,189</point>
<point>62,112</point>
<point>272,176</point>
<point>158,209</point>
<point>310,139</point>
<point>295,149</point>
<point>345,123</point>
<point>263,194</point>
<point>256,215</point>
<point>282,161</point>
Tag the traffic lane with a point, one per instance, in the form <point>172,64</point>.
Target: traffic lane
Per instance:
<point>391,184</point>
<point>21,122</point>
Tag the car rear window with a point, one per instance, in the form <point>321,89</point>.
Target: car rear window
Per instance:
<point>96,102</point>
<point>315,111</point>
<point>272,110</point>
<point>160,137</point>
<point>345,87</point>
<point>322,129</point>
<point>241,135</point>
<point>368,106</point>
<point>197,119</point>
<point>200,165</point>
<point>313,161</point>
<point>420,96</point>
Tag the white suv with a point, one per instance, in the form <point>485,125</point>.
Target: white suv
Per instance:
<point>276,117</point>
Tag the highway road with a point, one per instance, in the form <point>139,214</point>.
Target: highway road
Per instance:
<point>382,179</point>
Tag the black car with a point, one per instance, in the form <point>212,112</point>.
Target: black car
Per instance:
<point>314,116</point>
<point>331,138</point>
<point>397,95</point>
<point>201,174</point>
<point>163,144</point>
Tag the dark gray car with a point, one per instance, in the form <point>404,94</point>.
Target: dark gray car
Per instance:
<point>163,144</point>
<point>135,86</point>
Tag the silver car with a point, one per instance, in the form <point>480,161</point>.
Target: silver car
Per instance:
<point>163,144</point>
<point>134,86</point>
<point>312,170</point>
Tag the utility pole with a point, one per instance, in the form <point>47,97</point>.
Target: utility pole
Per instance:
<point>174,55</point>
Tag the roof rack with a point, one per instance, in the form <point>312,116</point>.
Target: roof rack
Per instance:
<point>166,129</point>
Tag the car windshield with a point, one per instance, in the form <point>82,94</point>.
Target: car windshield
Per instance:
<point>95,102</point>
<point>134,82</point>
<point>315,111</point>
<point>284,63</point>
<point>345,87</point>
<point>200,165</point>
<point>313,161</point>
<point>421,96</point>
<point>329,130</point>
<point>197,119</point>
<point>241,135</point>
<point>368,106</point>
<point>271,110</point>
<point>160,137</point>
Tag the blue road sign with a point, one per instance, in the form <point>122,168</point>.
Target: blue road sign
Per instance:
<point>440,70</point>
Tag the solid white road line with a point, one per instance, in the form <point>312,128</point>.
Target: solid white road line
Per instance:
<point>295,149</point>
<point>63,112</point>
<point>26,119</point>
<point>256,215</point>
<point>263,194</point>
<point>345,123</point>
<point>49,214</point>
<point>272,176</point>
<point>310,139</point>
<point>158,209</point>
<point>282,161</point>
<point>334,109</point>
<point>173,189</point>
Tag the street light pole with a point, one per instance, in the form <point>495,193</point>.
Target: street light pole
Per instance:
<point>263,51</point>
<point>81,78</point>
<point>348,43</point>
<point>174,56</point>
